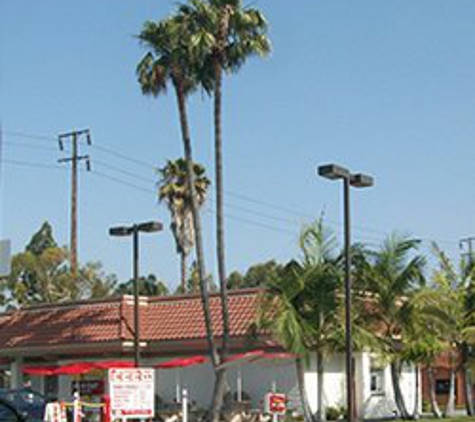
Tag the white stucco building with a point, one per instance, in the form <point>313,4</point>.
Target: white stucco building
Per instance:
<point>54,335</point>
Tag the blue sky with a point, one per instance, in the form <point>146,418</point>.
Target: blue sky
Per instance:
<point>383,87</point>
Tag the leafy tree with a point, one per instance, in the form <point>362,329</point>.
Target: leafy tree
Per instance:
<point>258,275</point>
<point>173,190</point>
<point>392,276</point>
<point>42,240</point>
<point>169,61</point>
<point>305,306</point>
<point>41,274</point>
<point>148,286</point>
<point>193,283</point>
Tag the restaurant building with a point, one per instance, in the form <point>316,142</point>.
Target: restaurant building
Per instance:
<point>171,327</point>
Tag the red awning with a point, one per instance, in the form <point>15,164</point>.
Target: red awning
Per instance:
<point>242,358</point>
<point>39,370</point>
<point>182,362</point>
<point>108,364</point>
<point>76,368</point>
<point>277,356</point>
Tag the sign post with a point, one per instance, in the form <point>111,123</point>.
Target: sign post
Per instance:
<point>132,393</point>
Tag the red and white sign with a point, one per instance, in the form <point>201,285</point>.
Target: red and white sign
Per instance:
<point>276,404</point>
<point>132,393</point>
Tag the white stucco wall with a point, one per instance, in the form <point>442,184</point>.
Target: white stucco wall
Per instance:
<point>259,378</point>
<point>382,404</point>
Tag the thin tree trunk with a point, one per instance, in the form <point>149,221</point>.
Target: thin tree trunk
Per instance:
<point>200,261</point>
<point>467,379</point>
<point>219,388</point>
<point>432,395</point>
<point>415,414</point>
<point>467,375</point>
<point>307,412</point>
<point>450,407</point>
<point>398,397</point>
<point>183,272</point>
<point>320,374</point>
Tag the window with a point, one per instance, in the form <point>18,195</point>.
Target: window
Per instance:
<point>377,381</point>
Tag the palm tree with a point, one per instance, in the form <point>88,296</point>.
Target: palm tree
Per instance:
<point>305,304</point>
<point>173,190</point>
<point>392,276</point>
<point>168,60</point>
<point>225,35</point>
<point>451,301</point>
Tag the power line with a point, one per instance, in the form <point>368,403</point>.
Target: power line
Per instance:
<point>275,207</point>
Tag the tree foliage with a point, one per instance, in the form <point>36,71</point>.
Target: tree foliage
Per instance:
<point>41,274</point>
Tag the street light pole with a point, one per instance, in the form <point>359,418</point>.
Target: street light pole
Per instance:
<point>348,317</point>
<point>134,231</point>
<point>136,296</point>
<point>334,172</point>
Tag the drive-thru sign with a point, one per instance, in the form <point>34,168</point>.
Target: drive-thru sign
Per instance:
<point>132,393</point>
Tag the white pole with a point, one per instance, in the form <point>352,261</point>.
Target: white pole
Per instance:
<point>239,384</point>
<point>178,387</point>
<point>185,405</point>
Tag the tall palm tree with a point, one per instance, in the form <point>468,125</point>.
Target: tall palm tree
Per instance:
<point>225,35</point>
<point>168,62</point>
<point>304,303</point>
<point>392,277</point>
<point>173,190</point>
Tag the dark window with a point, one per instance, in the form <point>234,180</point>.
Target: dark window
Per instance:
<point>442,386</point>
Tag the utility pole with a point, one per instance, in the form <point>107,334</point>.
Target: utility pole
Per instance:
<point>467,248</point>
<point>74,159</point>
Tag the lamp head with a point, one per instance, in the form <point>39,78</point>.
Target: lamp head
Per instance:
<point>361,181</point>
<point>333,172</point>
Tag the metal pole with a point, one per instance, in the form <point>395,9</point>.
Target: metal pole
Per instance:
<point>348,331</point>
<point>136,296</point>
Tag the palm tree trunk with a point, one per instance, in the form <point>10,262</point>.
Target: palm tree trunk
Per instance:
<point>200,261</point>
<point>467,379</point>
<point>219,388</point>
<point>432,395</point>
<point>307,412</point>
<point>450,407</point>
<point>416,415</point>
<point>183,271</point>
<point>467,375</point>
<point>398,397</point>
<point>320,374</point>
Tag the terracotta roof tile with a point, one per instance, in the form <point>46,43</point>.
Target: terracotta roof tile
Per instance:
<point>162,319</point>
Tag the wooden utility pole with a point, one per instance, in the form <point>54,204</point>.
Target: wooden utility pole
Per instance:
<point>74,159</point>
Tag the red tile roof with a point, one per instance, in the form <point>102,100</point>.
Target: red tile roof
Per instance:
<point>102,321</point>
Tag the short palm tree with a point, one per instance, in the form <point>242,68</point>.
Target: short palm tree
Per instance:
<point>173,190</point>
<point>304,303</point>
<point>392,277</point>
<point>450,300</point>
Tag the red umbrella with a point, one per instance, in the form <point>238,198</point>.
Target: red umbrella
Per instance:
<point>39,370</point>
<point>76,368</point>
<point>108,364</point>
<point>182,362</point>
